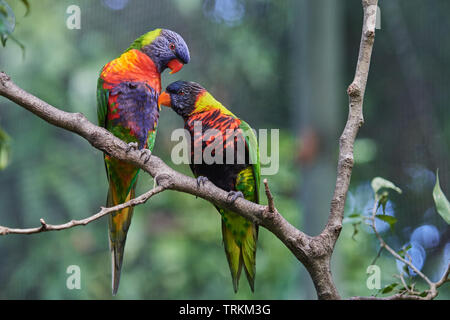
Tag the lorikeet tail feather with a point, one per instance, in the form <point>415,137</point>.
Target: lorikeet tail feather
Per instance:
<point>242,254</point>
<point>233,252</point>
<point>119,222</point>
<point>249,254</point>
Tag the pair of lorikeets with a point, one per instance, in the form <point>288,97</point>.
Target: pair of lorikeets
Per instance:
<point>128,105</point>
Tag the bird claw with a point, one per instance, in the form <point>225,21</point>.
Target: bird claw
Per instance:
<point>234,195</point>
<point>201,180</point>
<point>131,146</point>
<point>145,153</point>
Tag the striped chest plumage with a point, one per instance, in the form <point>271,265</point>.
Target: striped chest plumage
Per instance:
<point>212,126</point>
<point>209,128</point>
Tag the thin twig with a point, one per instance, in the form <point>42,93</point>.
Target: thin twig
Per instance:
<point>269,197</point>
<point>392,251</point>
<point>409,293</point>
<point>103,212</point>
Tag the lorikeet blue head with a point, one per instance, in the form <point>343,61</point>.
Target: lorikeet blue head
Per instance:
<point>181,96</point>
<point>166,48</point>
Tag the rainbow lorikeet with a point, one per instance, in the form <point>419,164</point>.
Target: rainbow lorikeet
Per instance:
<point>239,173</point>
<point>127,96</point>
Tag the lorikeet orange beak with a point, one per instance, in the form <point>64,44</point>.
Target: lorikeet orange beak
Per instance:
<point>175,65</point>
<point>164,99</point>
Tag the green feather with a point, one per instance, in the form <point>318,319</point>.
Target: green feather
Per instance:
<point>102,103</point>
<point>253,149</point>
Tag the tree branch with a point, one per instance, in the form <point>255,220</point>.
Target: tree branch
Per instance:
<point>103,212</point>
<point>269,196</point>
<point>355,120</point>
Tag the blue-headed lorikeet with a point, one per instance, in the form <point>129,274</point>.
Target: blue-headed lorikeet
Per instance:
<point>241,178</point>
<point>127,96</point>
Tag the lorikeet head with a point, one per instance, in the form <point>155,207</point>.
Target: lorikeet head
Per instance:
<point>166,48</point>
<point>181,96</point>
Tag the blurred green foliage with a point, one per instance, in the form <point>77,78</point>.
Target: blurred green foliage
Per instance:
<point>174,248</point>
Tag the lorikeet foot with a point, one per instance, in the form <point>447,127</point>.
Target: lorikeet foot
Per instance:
<point>234,195</point>
<point>146,153</point>
<point>131,146</point>
<point>201,180</point>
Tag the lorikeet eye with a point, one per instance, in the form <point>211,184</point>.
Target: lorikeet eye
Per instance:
<point>181,93</point>
<point>172,46</point>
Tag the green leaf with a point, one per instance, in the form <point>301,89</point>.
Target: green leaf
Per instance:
<point>3,10</point>
<point>4,149</point>
<point>403,250</point>
<point>355,230</point>
<point>406,268</point>
<point>440,201</point>
<point>8,23</point>
<point>353,218</point>
<point>389,288</point>
<point>379,185</point>
<point>388,219</point>
<point>27,6</point>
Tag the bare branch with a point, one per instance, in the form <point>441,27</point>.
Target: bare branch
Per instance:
<point>321,276</point>
<point>103,212</point>
<point>398,296</point>
<point>355,120</point>
<point>269,196</point>
<point>445,277</point>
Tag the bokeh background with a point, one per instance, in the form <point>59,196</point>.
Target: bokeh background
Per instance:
<point>280,64</point>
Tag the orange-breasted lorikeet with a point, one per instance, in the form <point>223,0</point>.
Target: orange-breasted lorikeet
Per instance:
<point>239,174</point>
<point>127,94</point>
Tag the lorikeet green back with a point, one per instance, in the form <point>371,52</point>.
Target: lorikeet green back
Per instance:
<point>127,95</point>
<point>196,105</point>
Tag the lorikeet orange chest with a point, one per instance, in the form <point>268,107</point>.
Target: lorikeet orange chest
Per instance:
<point>133,84</point>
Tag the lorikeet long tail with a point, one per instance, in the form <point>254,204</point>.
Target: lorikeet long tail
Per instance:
<point>239,234</point>
<point>240,249</point>
<point>119,223</point>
